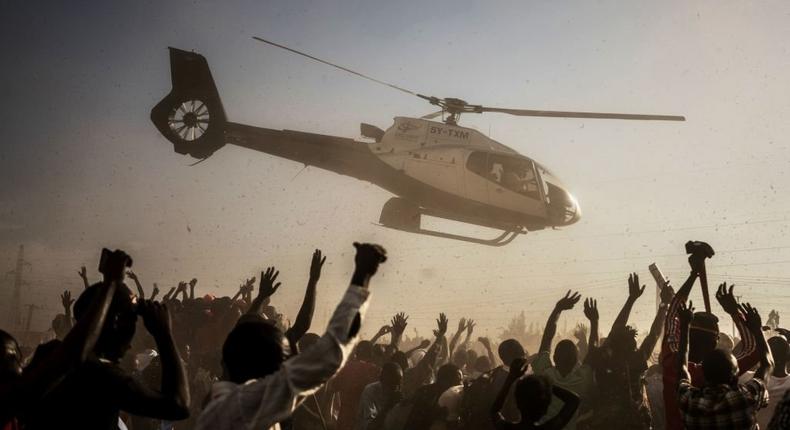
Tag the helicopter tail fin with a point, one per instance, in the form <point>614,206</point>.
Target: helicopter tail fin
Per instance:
<point>191,116</point>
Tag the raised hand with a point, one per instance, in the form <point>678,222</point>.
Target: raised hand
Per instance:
<point>727,299</point>
<point>634,291</point>
<point>83,272</point>
<point>316,264</point>
<point>368,258</point>
<point>485,341</point>
<point>425,343</point>
<point>384,330</point>
<point>155,292</point>
<point>568,301</point>
<point>753,319</point>
<point>591,309</point>
<point>156,318</point>
<point>580,332</point>
<point>518,368</point>
<point>399,323</point>
<point>267,286</point>
<point>441,324</point>
<point>132,275</point>
<point>470,326</point>
<point>67,301</point>
<point>685,313</point>
<point>462,325</point>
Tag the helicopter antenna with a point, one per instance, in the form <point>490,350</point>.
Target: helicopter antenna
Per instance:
<point>404,90</point>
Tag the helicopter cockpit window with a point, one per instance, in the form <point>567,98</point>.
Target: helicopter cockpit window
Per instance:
<point>512,173</point>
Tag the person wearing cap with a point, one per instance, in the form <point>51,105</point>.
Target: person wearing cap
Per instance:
<point>703,338</point>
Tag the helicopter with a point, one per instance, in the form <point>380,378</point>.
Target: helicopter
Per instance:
<point>436,169</point>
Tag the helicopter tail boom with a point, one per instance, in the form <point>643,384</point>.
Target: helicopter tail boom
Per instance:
<point>191,116</point>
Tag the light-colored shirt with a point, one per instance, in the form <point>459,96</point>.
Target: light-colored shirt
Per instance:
<point>262,403</point>
<point>776,388</point>
<point>579,380</point>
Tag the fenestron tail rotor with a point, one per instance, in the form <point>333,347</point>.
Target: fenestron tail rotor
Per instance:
<point>452,108</point>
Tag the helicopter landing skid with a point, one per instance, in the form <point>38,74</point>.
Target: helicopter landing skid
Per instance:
<point>503,239</point>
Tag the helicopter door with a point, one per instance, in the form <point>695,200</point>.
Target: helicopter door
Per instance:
<point>513,185</point>
<point>476,177</point>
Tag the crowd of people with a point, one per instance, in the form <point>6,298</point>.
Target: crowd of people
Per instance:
<point>125,359</point>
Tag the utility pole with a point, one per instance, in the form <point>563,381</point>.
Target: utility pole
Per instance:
<point>15,313</point>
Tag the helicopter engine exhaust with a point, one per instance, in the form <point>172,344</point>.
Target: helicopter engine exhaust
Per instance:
<point>191,116</point>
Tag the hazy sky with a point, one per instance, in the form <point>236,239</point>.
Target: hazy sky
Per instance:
<point>83,167</point>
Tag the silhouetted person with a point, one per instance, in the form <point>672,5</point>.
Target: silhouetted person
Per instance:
<point>92,396</point>
<point>533,396</point>
<point>350,381</point>
<point>379,398</point>
<point>261,386</point>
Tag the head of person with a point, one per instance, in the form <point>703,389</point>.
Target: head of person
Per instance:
<point>391,377</point>
<point>510,350</point>
<point>780,349</point>
<point>566,355</point>
<point>622,341</point>
<point>482,364</point>
<point>703,336</point>
<point>10,358</point>
<point>60,325</point>
<point>253,349</point>
<point>471,357</point>
<point>448,376</point>
<point>120,324</point>
<point>459,358</point>
<point>533,395</point>
<point>364,351</point>
<point>720,367</point>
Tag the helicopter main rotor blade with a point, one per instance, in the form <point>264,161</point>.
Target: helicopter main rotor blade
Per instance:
<point>347,70</point>
<point>432,115</point>
<point>593,115</point>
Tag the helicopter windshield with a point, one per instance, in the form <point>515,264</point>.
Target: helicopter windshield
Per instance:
<point>563,208</point>
<point>513,173</point>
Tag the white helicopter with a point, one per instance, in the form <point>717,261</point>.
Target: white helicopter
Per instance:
<point>438,169</point>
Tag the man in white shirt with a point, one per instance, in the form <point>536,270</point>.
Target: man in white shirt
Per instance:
<point>261,385</point>
<point>776,384</point>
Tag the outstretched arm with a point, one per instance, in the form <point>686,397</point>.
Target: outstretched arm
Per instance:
<point>565,303</point>
<point>457,335</point>
<point>755,325</point>
<point>649,343</point>
<point>267,287</point>
<point>67,301</point>
<point>84,276</point>
<point>517,369</point>
<point>305,316</point>
<point>133,277</point>
<point>634,291</point>
<point>685,315</point>
<point>591,312</point>
<point>487,345</point>
<point>398,326</point>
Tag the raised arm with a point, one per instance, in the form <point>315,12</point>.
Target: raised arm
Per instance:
<point>398,325</point>
<point>470,328</point>
<point>671,324</point>
<point>133,277</point>
<point>685,315</point>
<point>83,272</point>
<point>155,292</point>
<point>487,345</point>
<point>457,335</point>
<point>755,325</point>
<point>424,344</point>
<point>192,285</point>
<point>266,288</point>
<point>304,318</point>
<point>382,331</point>
<point>517,369</point>
<point>591,312</point>
<point>565,303</point>
<point>67,301</point>
<point>649,342</point>
<point>171,401</point>
<point>748,356</point>
<point>634,291</point>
